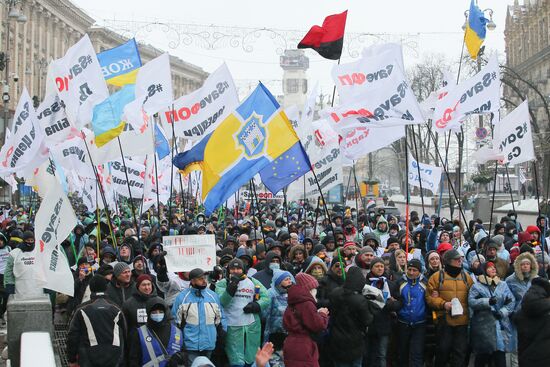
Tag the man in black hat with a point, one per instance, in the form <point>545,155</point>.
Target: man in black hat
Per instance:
<point>198,312</point>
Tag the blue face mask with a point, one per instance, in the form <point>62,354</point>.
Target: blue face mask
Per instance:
<point>157,317</point>
<point>274,266</point>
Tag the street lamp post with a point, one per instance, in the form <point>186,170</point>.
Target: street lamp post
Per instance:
<point>13,14</point>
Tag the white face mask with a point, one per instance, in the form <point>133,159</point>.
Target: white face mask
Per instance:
<point>314,293</point>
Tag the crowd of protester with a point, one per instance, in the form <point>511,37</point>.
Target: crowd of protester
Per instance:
<point>299,287</point>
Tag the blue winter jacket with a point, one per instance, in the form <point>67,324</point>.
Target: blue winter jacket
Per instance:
<point>412,294</point>
<point>198,311</point>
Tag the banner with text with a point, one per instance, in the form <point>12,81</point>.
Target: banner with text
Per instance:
<point>185,253</point>
<point>430,175</point>
<point>513,137</point>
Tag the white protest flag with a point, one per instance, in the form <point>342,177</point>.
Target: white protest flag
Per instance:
<point>23,147</point>
<point>54,221</point>
<point>136,173</point>
<point>513,137</point>
<point>153,91</point>
<point>362,141</point>
<point>477,95</point>
<point>72,156</point>
<point>429,175</point>
<point>308,113</point>
<point>293,116</point>
<point>377,64</point>
<point>522,178</point>
<point>53,120</point>
<point>198,113</point>
<point>150,184</point>
<point>388,103</point>
<point>80,82</point>
<point>42,178</point>
<point>485,154</point>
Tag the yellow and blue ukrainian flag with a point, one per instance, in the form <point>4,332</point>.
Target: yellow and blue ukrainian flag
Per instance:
<point>476,27</point>
<point>250,140</point>
<point>107,121</point>
<point>120,64</point>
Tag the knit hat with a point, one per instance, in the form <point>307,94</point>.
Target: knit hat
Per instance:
<point>306,281</point>
<point>280,275</point>
<point>98,284</point>
<point>119,268</point>
<point>105,270</point>
<point>377,260</point>
<point>451,255</point>
<point>444,247</point>
<point>499,239</point>
<point>531,229</point>
<point>235,263</point>
<point>196,273</point>
<point>27,235</point>
<point>350,244</point>
<point>524,237</point>
<point>142,278</point>
<point>415,263</point>
<point>430,254</point>
<point>366,250</point>
<point>391,240</point>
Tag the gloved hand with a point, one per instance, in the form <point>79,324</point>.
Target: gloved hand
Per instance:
<point>232,285</point>
<point>497,315</point>
<point>160,268</point>
<point>493,301</point>
<point>10,288</point>
<point>252,307</point>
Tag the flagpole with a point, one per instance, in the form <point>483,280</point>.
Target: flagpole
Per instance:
<point>357,192</point>
<point>101,188</point>
<point>407,196</point>
<point>419,176</point>
<point>259,216</point>
<point>510,186</point>
<point>132,206</point>
<point>493,199</point>
<point>537,186</point>
<point>334,88</point>
<point>286,206</point>
<point>323,198</point>
<point>316,217</point>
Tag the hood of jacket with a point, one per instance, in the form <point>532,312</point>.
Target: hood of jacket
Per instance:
<point>299,294</point>
<point>315,260</point>
<point>268,258</point>
<point>355,281</point>
<point>534,266</point>
<point>382,220</point>
<point>371,236</point>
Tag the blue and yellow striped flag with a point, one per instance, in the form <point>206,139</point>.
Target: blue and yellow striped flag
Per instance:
<point>107,121</point>
<point>476,27</point>
<point>120,64</point>
<point>248,140</point>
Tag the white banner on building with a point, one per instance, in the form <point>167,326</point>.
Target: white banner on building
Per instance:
<point>513,137</point>
<point>80,82</point>
<point>54,221</point>
<point>477,95</point>
<point>429,175</point>
<point>198,113</point>
<point>185,253</point>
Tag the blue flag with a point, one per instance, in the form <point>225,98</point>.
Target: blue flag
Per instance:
<point>161,143</point>
<point>286,168</point>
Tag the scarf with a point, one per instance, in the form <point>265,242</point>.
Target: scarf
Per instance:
<point>382,284</point>
<point>452,270</point>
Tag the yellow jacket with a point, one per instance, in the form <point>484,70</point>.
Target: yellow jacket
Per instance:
<point>448,289</point>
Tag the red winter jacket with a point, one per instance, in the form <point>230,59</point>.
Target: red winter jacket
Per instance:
<point>300,320</point>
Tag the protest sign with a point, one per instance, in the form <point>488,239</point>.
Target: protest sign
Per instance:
<point>185,253</point>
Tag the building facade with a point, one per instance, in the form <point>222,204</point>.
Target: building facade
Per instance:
<point>44,30</point>
<point>527,71</point>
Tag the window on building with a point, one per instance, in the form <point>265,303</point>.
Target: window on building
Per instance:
<point>304,86</point>
<point>292,86</point>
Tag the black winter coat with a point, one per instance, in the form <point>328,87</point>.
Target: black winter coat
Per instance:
<point>135,309</point>
<point>349,319</point>
<point>119,295</point>
<point>327,284</point>
<point>533,325</point>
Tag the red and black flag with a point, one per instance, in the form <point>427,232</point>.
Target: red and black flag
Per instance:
<point>328,39</point>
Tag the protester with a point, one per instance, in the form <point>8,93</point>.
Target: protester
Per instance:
<point>198,312</point>
<point>121,287</point>
<point>301,319</point>
<point>97,331</point>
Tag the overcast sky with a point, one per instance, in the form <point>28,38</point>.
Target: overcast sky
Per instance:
<point>425,27</point>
